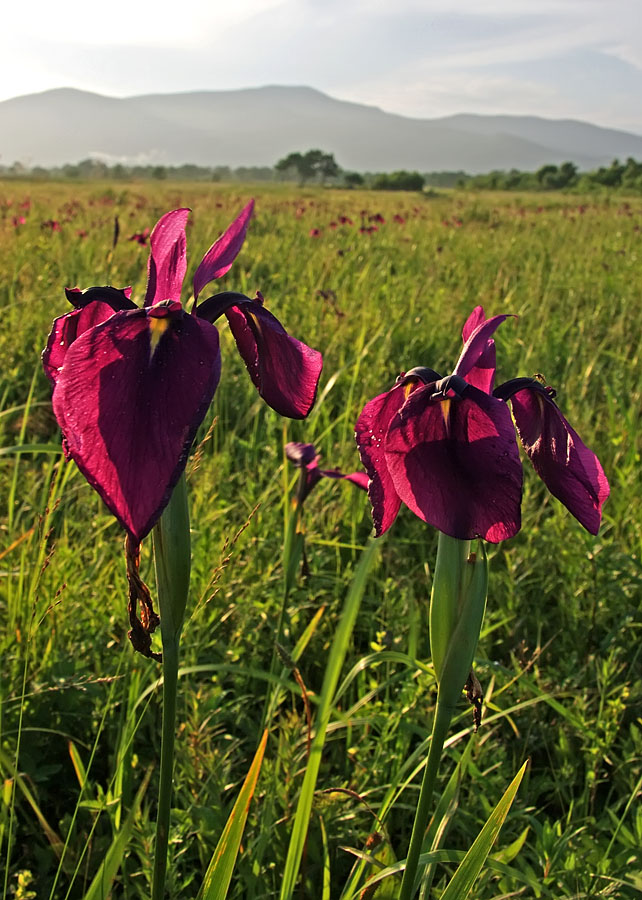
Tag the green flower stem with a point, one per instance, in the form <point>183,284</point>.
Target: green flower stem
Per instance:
<point>170,682</point>
<point>440,726</point>
<point>457,604</point>
<point>172,562</point>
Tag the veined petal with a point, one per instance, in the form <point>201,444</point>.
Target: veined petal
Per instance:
<point>476,344</point>
<point>131,394</point>
<point>482,374</point>
<point>167,258</point>
<point>370,432</point>
<point>456,465</point>
<point>219,258</point>
<point>570,471</point>
<point>66,329</point>
<point>284,370</point>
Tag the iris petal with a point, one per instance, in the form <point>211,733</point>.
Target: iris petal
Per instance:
<point>370,431</point>
<point>482,374</point>
<point>219,258</point>
<point>167,258</point>
<point>456,465</point>
<point>129,399</point>
<point>66,329</point>
<point>284,371</point>
<point>476,345</point>
<point>117,298</point>
<point>570,471</point>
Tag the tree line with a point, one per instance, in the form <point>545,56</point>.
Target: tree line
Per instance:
<point>321,167</point>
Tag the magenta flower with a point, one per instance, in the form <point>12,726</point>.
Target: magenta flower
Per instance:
<point>446,447</point>
<point>305,457</point>
<point>131,385</point>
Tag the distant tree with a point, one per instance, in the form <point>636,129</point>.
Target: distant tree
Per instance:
<point>399,181</point>
<point>551,177</point>
<point>353,179</point>
<point>313,164</point>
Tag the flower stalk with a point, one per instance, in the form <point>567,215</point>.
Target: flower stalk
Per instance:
<point>172,563</point>
<point>457,605</point>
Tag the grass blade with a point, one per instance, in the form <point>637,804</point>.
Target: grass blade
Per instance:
<point>330,681</point>
<point>462,881</point>
<point>100,888</point>
<point>219,873</point>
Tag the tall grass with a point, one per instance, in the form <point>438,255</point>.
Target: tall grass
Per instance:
<point>560,652</point>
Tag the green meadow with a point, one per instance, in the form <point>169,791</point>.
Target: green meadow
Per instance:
<point>560,653</point>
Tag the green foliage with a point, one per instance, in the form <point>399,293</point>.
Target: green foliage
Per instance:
<point>314,164</point>
<point>559,656</point>
<point>399,181</point>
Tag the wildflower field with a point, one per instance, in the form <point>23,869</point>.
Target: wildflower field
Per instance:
<point>379,283</point>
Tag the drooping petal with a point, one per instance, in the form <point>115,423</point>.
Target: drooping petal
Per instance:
<point>476,344</point>
<point>284,370</point>
<point>359,478</point>
<point>219,258</point>
<point>456,465</point>
<point>482,374</point>
<point>570,471</point>
<point>167,258</point>
<point>370,432</point>
<point>131,394</point>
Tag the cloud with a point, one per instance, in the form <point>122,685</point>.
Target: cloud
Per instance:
<point>417,57</point>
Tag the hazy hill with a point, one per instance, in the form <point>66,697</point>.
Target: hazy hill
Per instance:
<point>258,126</point>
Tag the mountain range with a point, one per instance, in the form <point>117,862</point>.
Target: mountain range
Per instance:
<point>258,126</point>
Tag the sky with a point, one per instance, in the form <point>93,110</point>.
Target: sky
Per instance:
<point>578,59</point>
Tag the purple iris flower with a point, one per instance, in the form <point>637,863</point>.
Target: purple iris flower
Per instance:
<point>446,447</point>
<point>131,385</point>
<point>305,457</point>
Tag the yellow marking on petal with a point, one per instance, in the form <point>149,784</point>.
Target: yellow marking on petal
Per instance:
<point>256,321</point>
<point>158,325</point>
<point>445,411</point>
<point>410,386</point>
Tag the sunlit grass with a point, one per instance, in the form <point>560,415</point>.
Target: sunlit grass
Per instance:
<point>559,656</point>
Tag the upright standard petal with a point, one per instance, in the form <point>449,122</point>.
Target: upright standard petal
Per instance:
<point>370,432</point>
<point>219,258</point>
<point>131,394</point>
<point>476,345</point>
<point>570,471</point>
<point>167,258</point>
<point>285,371</point>
<point>455,464</point>
<point>482,374</point>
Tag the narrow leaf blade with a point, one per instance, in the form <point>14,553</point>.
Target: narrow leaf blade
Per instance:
<point>471,865</point>
<point>100,888</point>
<point>219,873</point>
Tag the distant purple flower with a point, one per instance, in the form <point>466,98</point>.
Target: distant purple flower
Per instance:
<point>131,385</point>
<point>304,457</point>
<point>446,447</point>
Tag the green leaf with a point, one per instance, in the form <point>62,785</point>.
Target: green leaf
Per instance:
<point>31,448</point>
<point>219,873</point>
<point>100,888</point>
<point>334,665</point>
<point>468,870</point>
